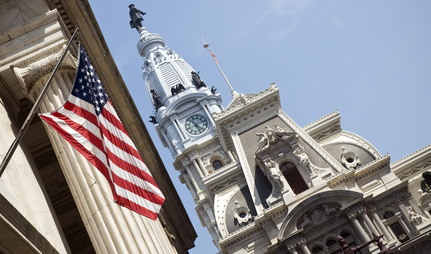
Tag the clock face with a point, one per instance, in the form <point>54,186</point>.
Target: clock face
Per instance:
<point>196,124</point>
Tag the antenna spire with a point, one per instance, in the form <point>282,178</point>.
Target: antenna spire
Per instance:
<point>206,45</point>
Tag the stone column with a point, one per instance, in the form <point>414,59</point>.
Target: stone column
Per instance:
<point>177,126</point>
<point>208,114</point>
<point>112,228</point>
<point>292,249</point>
<point>304,247</point>
<point>231,156</point>
<point>367,221</point>
<point>185,164</point>
<point>197,168</point>
<point>201,165</point>
<point>358,228</point>
<point>381,226</point>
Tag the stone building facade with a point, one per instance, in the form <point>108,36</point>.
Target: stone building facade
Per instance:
<point>52,200</point>
<point>264,184</point>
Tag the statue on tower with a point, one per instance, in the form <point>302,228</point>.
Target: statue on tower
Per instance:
<point>196,80</point>
<point>135,17</point>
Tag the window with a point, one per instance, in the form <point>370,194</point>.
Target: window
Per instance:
<point>395,222</point>
<point>217,164</point>
<point>294,178</point>
<point>388,214</point>
<point>399,232</point>
<point>317,250</point>
<point>330,242</point>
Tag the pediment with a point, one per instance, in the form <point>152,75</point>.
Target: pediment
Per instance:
<point>316,209</point>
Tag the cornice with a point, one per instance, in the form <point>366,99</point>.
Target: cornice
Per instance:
<point>324,127</point>
<point>372,167</point>
<point>424,151</point>
<point>353,139</point>
<point>244,101</point>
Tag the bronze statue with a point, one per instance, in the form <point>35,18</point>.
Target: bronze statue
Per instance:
<point>345,248</point>
<point>156,99</point>
<point>135,17</point>
<point>153,119</point>
<point>177,89</point>
<point>197,80</point>
<point>213,90</point>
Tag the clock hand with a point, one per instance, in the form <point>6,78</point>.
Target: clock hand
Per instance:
<point>197,125</point>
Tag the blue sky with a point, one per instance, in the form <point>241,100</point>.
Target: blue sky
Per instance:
<point>370,60</point>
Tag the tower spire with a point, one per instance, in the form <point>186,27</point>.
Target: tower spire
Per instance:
<point>206,45</point>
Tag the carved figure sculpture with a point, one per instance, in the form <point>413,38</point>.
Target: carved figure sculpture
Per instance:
<point>135,17</point>
<point>345,248</point>
<point>177,89</point>
<point>273,174</point>
<point>270,136</point>
<point>414,217</point>
<point>328,210</point>
<point>156,99</point>
<point>197,80</point>
<point>303,159</point>
<point>153,119</point>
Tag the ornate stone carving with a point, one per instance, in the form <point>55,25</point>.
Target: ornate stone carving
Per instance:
<point>302,156</point>
<point>415,218</point>
<point>246,99</point>
<point>271,136</point>
<point>350,159</point>
<point>317,215</point>
<point>32,68</point>
<point>242,214</point>
<point>274,176</point>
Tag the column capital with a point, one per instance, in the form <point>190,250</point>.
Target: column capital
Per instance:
<point>31,68</point>
<point>352,215</point>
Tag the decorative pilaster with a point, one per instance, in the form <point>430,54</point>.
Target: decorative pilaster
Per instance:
<point>358,228</point>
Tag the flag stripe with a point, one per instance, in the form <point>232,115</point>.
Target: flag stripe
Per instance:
<point>119,143</point>
<point>143,194</point>
<point>81,111</point>
<point>79,147</point>
<point>137,208</point>
<point>86,133</point>
<point>132,172</point>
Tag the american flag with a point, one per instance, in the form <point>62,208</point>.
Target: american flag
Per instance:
<point>90,124</point>
<point>212,54</point>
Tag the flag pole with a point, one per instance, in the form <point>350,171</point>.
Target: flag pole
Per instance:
<point>218,66</point>
<point>33,110</point>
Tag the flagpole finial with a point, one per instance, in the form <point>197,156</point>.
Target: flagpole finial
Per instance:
<point>205,44</point>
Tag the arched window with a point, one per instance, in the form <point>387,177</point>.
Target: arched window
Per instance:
<point>293,177</point>
<point>317,250</point>
<point>345,234</point>
<point>330,242</point>
<point>388,214</point>
<point>217,164</point>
